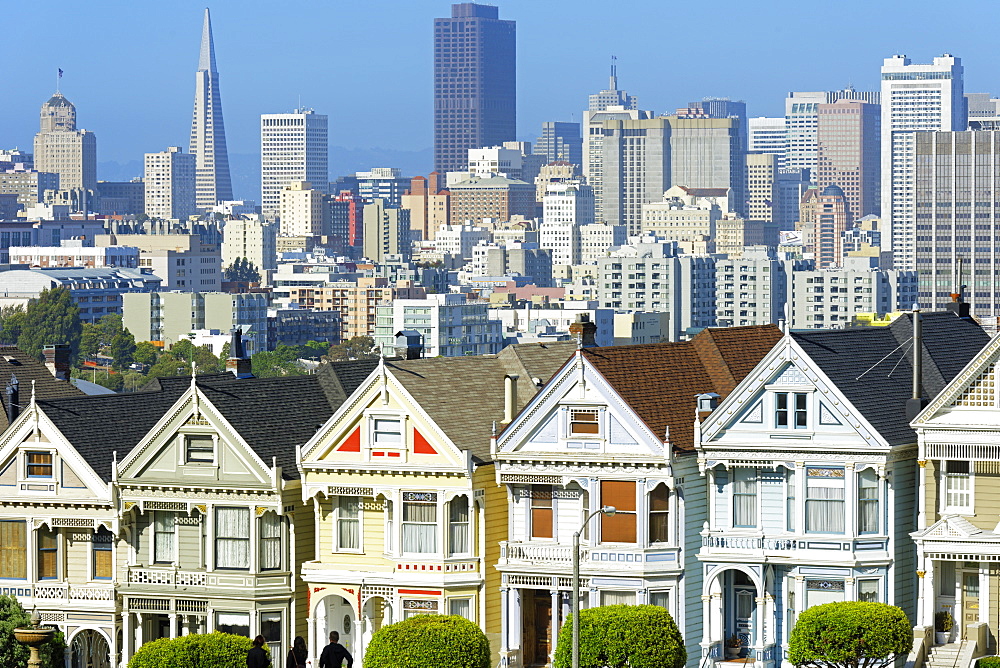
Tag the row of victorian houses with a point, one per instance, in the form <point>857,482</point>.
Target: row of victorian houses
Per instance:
<point>755,472</point>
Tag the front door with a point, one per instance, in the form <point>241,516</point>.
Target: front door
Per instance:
<point>543,626</point>
<point>970,600</point>
<point>742,607</point>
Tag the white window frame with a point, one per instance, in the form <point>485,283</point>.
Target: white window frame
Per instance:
<point>877,501</point>
<point>570,409</point>
<point>185,458</point>
<point>399,449</point>
<point>467,523</point>
<point>791,396</point>
<point>336,519</point>
<point>472,608</point>
<point>439,539</point>
<point>261,539</point>
<point>92,565</point>
<point>820,482</point>
<point>733,495</point>
<point>174,559</point>
<point>944,480</point>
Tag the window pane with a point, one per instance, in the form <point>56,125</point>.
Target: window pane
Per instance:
<point>584,423</point>
<point>388,432</point>
<point>102,554</point>
<point>232,538</point>
<point>617,598</point>
<point>541,511</point>
<point>270,541</point>
<point>458,525</point>
<point>39,464</point>
<point>163,537</point>
<point>461,607</point>
<point>868,591</point>
<point>745,497</point>
<point>233,622</point>
<point>419,527</point>
<point>868,502</point>
<point>200,450</point>
<point>13,549</point>
<point>825,500</point>
<point>618,493</point>
<point>270,626</point>
<point>659,525</point>
<point>47,554</point>
<point>660,598</point>
<point>619,528</point>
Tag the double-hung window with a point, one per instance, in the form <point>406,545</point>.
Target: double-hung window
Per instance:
<point>232,538</point>
<point>541,511</point>
<point>48,554</point>
<point>270,542</point>
<point>348,523</point>
<point>957,486</point>
<point>620,527</point>
<point>458,525</point>
<point>199,449</point>
<point>420,522</point>
<point>39,464</point>
<point>387,433</point>
<point>659,506</point>
<point>825,500</point>
<point>164,532</point>
<point>13,549</point>
<point>584,422</point>
<point>868,511</point>
<point>101,544</point>
<point>791,410</point>
<point>744,497</point>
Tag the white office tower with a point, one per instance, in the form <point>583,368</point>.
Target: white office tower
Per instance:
<point>914,98</point>
<point>293,147</point>
<point>208,132</point>
<point>802,123</point>
<point>770,136</point>
<point>170,184</point>
<point>565,208</point>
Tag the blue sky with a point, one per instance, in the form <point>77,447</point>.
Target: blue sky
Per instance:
<point>129,65</point>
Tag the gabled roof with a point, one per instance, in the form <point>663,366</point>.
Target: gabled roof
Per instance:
<point>465,395</point>
<point>659,381</point>
<point>16,362</point>
<point>872,367</point>
<point>273,415</point>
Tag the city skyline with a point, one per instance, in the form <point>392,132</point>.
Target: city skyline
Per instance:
<point>272,80</point>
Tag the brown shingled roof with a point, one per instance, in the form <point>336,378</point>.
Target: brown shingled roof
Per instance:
<point>660,380</point>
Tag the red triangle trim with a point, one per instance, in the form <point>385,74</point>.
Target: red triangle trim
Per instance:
<point>352,443</point>
<point>421,446</point>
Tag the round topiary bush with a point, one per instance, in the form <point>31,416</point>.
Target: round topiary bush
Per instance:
<point>442,641</point>
<point>204,650</point>
<point>616,636</point>
<point>850,634</point>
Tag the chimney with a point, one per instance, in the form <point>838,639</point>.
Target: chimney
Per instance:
<point>238,362</point>
<point>705,404</point>
<point>509,397</point>
<point>916,403</point>
<point>13,399</point>
<point>584,331</point>
<point>408,344</point>
<point>958,306</point>
<point>57,360</point>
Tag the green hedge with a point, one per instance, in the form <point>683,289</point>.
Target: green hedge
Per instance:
<point>616,636</point>
<point>441,641</point>
<point>15,655</point>
<point>989,662</point>
<point>850,633</point>
<point>198,650</point>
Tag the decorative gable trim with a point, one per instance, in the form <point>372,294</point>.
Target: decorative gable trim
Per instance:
<point>421,446</point>
<point>352,443</point>
<point>967,377</point>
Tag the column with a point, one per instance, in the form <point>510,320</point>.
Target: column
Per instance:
<point>504,620</point>
<point>706,617</point>
<point>311,639</point>
<point>127,637</point>
<point>209,620</point>
<point>930,593</point>
<point>850,589</point>
<point>760,627</point>
<point>138,632</point>
<point>555,623</point>
<point>851,504</point>
<point>984,592</point>
<point>173,624</point>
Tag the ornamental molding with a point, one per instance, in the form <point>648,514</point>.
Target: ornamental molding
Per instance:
<point>532,467</point>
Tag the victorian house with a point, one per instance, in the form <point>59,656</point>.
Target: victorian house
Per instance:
<point>811,473</point>
<point>401,483</point>
<point>614,427</point>
<point>957,534</point>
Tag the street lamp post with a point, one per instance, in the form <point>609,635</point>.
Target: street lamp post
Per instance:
<point>575,594</point>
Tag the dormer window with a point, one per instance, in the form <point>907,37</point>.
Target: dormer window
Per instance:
<point>199,449</point>
<point>387,433</point>
<point>584,422</point>
<point>791,410</point>
<point>39,464</point>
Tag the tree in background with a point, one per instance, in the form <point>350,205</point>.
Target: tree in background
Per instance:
<point>11,324</point>
<point>122,350</point>
<point>442,641</point>
<point>355,348</point>
<point>15,655</point>
<point>616,636</point>
<point>52,318</point>
<point>850,634</point>
<point>242,270</point>
<point>145,353</point>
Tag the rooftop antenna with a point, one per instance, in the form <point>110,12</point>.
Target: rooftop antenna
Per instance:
<point>614,72</point>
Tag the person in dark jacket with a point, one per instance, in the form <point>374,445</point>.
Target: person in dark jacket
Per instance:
<point>334,654</point>
<point>297,654</point>
<point>257,657</point>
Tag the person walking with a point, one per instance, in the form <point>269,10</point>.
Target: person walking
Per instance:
<point>257,657</point>
<point>297,654</point>
<point>334,654</point>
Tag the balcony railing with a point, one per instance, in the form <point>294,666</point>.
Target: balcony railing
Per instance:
<point>631,557</point>
<point>539,552</point>
<point>64,593</point>
<point>174,578</point>
<point>748,543</point>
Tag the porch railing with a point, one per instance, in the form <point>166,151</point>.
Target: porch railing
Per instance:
<point>748,543</point>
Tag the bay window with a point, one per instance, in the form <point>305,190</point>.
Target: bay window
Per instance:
<point>270,542</point>
<point>620,527</point>
<point>348,523</point>
<point>541,511</point>
<point>101,543</point>
<point>13,549</point>
<point>825,500</point>
<point>957,486</point>
<point>744,497</point>
<point>458,525</point>
<point>420,522</point>
<point>659,505</point>
<point>164,531</point>
<point>868,511</point>
<point>48,554</point>
<point>232,538</point>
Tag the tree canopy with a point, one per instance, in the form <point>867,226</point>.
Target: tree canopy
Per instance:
<point>11,324</point>
<point>355,348</point>
<point>15,655</point>
<point>850,634</point>
<point>442,641</point>
<point>620,636</point>
<point>242,270</point>
<point>52,318</point>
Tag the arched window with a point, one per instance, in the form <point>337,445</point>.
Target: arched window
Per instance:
<point>659,507</point>
<point>458,525</point>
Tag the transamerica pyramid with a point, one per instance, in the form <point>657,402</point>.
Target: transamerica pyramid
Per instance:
<point>208,132</point>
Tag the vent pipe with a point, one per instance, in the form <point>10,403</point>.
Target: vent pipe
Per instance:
<point>509,397</point>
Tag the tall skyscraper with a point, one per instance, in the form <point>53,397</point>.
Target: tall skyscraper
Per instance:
<point>914,98</point>
<point>62,149</point>
<point>709,153</point>
<point>475,83</point>
<point>723,107</point>
<point>957,227</point>
<point>561,141</point>
<point>848,154</point>
<point>768,135</point>
<point>293,147</point>
<point>208,132</point>
<point>635,168</point>
<point>801,111</point>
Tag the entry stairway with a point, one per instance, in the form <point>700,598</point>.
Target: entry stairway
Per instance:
<point>945,656</point>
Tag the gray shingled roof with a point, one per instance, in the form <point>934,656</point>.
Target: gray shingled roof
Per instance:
<point>880,394</point>
<point>465,395</point>
<point>16,362</point>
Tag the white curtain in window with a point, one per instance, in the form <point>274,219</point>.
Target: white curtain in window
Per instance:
<point>868,591</point>
<point>458,525</point>
<point>419,527</point>
<point>163,537</point>
<point>270,541</point>
<point>461,607</point>
<point>745,497</point>
<point>867,502</point>
<point>348,524</point>
<point>232,537</point>
<point>617,598</point>
<point>825,510</point>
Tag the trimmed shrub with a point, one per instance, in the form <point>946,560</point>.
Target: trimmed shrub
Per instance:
<point>989,662</point>
<point>197,650</point>
<point>850,634</point>
<point>13,653</point>
<point>442,641</point>
<point>616,636</point>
